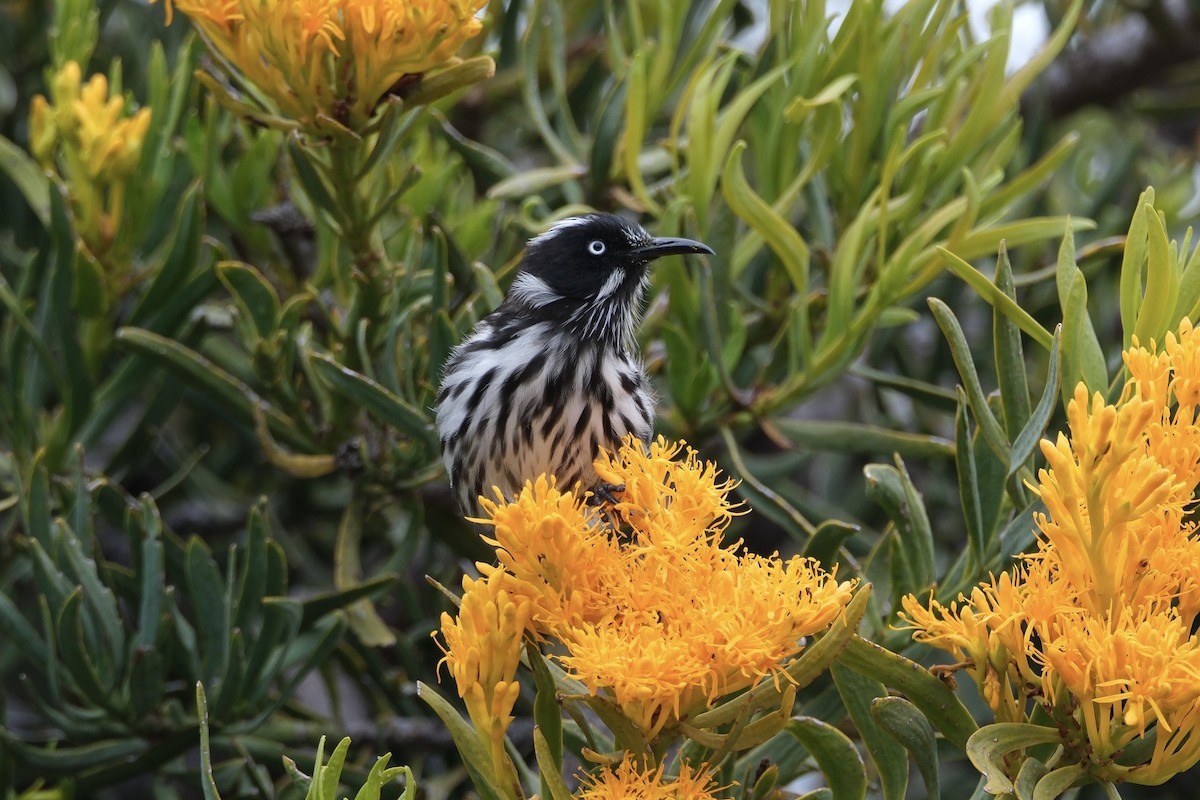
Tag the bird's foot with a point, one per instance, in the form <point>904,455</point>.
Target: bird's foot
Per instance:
<point>606,494</point>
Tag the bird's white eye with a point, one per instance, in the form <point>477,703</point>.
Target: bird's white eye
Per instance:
<point>596,247</point>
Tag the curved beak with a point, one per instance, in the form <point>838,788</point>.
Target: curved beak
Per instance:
<point>670,246</point>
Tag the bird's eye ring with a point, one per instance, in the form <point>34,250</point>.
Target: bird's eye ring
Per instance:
<point>596,247</point>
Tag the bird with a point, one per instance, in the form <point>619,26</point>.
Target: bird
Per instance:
<point>553,374</point>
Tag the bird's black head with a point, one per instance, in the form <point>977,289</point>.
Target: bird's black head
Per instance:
<point>593,260</point>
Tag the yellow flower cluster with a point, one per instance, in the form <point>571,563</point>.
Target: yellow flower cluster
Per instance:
<point>99,144</point>
<point>328,62</point>
<point>659,619</point>
<point>482,651</point>
<point>1098,621</point>
<point>629,782</point>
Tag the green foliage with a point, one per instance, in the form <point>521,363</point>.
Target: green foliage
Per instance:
<point>220,487</point>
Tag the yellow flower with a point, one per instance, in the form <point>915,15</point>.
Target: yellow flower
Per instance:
<point>1099,621</point>
<point>555,546</point>
<point>100,146</point>
<point>330,61</point>
<point>628,781</point>
<point>482,651</point>
<point>663,620</point>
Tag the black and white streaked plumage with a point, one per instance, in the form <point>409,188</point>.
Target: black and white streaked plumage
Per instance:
<point>551,376</point>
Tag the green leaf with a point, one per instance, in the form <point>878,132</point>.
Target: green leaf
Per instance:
<point>471,748</point>
<point>206,590</point>
<point>203,374</point>
<point>306,170</point>
<point>376,400</point>
<point>936,701</point>
<point>549,769</point>
<point>1056,782</point>
<point>828,539</point>
<point>547,716</point>
<point>859,694</point>
<point>280,624</point>
<point>68,761</point>
<point>835,754</point>
<point>347,573</point>
<point>1132,262</point>
<point>208,784</point>
<point>909,727</point>
<point>1010,357</point>
<point>1027,440</point>
<point>853,437</point>
<point>255,297</point>
<point>29,178</point>
<point>989,426</point>
<point>996,297</point>
<point>532,181</point>
<point>319,605</point>
<point>1162,284</point>
<point>893,490</point>
<point>181,259</point>
<point>327,776</point>
<point>74,653</point>
<point>989,745</point>
<point>1082,358</point>
<point>968,481</point>
<point>20,633</point>
<point>147,681</point>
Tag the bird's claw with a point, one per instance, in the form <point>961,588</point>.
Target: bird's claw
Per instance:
<point>606,493</point>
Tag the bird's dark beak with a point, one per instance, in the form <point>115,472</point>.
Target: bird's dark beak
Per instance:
<point>669,246</point>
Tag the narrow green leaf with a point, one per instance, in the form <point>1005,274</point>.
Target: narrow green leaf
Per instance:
<point>74,653</point>
<point>208,783</point>
<point>280,624</point>
<point>853,437</point>
<point>989,426</point>
<point>182,258</point>
<point>203,374</point>
<point>892,489</point>
<point>1027,440</point>
<point>936,700</point>
<point>1162,284</point>
<point>1133,261</point>
<point>378,401</point>
<point>347,573</point>
<point>147,681</point>
<point>549,769</point>
<point>310,178</point>
<point>909,727</point>
<point>254,572</point>
<point>1082,358</point>
<point>835,754</point>
<point>532,181</point>
<point>153,578</point>
<point>968,481</point>
<point>67,761</point>
<point>20,633</point>
<point>828,539</point>
<point>29,178</point>
<point>859,694</point>
<point>470,746</point>
<point>1010,357</point>
<point>547,716</point>
<point>206,591</point>
<point>330,773</point>
<point>996,297</point>
<point>255,297</point>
